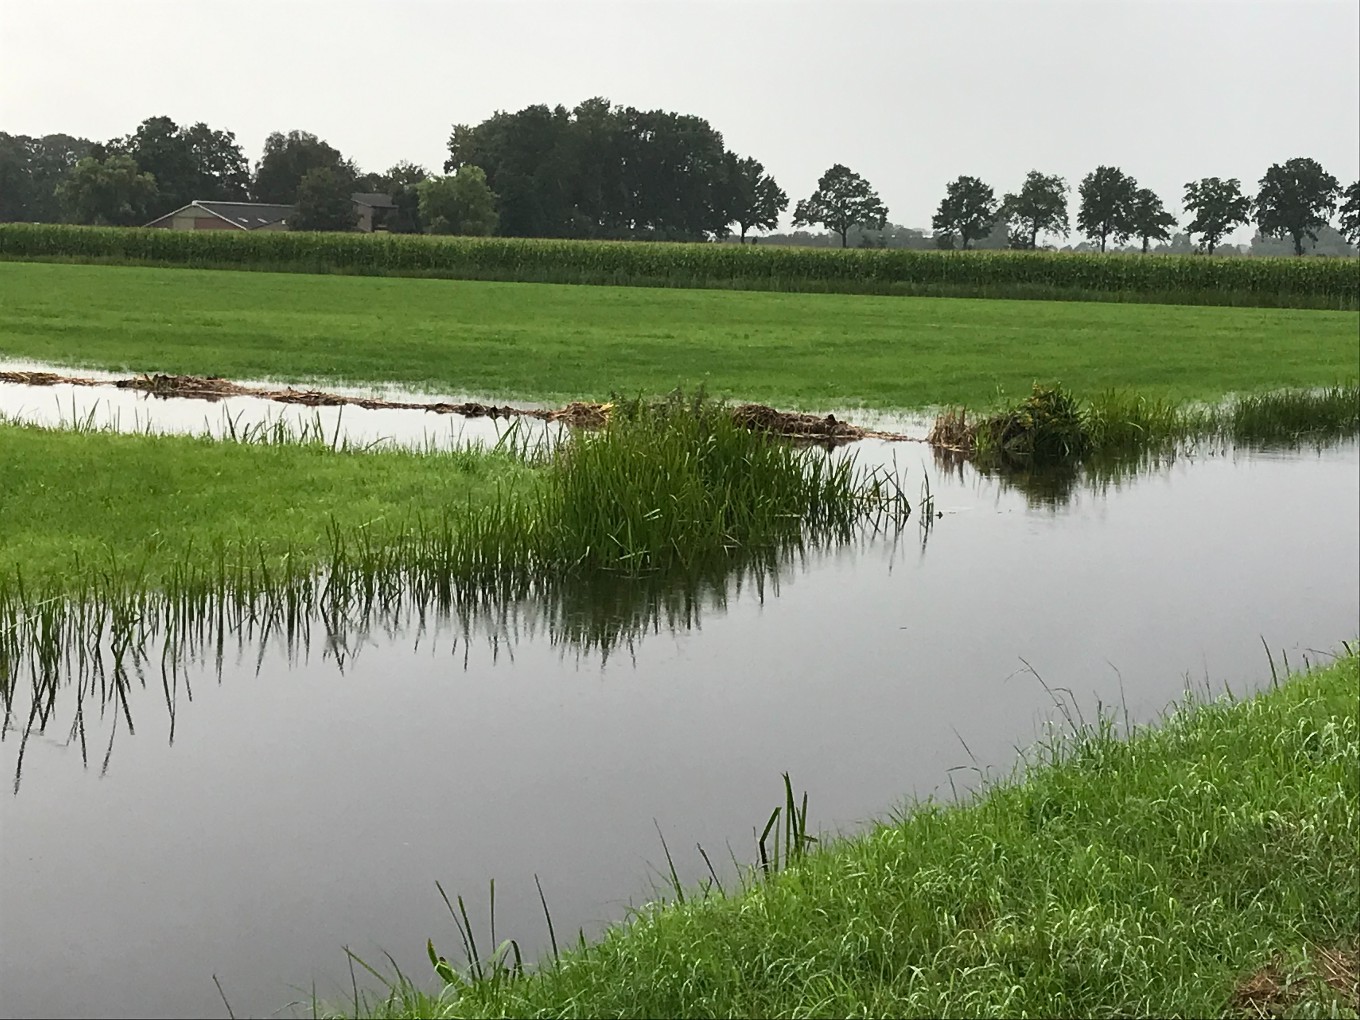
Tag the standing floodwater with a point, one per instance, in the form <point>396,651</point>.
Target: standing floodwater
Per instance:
<point>310,799</point>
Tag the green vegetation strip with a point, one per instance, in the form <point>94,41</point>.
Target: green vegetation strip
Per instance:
<point>1267,282</point>
<point>1192,870</point>
<point>76,502</point>
<point>668,487</point>
<point>816,352</point>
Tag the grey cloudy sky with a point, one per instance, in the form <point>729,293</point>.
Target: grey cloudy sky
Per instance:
<point>910,94</point>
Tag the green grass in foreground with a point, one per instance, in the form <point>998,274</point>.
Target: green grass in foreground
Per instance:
<point>1149,877</point>
<point>74,501</point>
<point>813,351</point>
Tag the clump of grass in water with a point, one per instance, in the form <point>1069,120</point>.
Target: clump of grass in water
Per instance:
<point>1054,427</point>
<point>664,486</point>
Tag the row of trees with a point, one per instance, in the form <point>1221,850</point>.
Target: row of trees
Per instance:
<point>605,171</point>
<point>1296,199</point>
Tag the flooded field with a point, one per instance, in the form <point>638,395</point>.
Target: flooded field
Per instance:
<point>255,799</point>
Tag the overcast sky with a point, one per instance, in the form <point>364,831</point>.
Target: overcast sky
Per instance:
<point>909,94</point>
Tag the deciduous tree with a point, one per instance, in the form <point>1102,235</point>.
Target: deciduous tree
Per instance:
<point>1040,206</point>
<point>110,192</point>
<point>967,211</point>
<point>1295,199</point>
<point>288,158</point>
<point>1218,206</point>
<point>461,203</point>
<point>1107,203</point>
<point>843,199</point>
<point>324,201</point>
<point>1151,221</point>
<point>1349,221</point>
<point>753,199</point>
<point>188,163</point>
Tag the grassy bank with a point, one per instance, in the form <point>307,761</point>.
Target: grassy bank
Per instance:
<point>663,488</point>
<point>553,342</point>
<point>1257,282</point>
<point>1203,868</point>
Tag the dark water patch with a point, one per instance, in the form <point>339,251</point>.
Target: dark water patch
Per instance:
<point>315,790</point>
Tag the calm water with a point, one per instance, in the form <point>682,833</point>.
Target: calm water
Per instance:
<point>311,801</point>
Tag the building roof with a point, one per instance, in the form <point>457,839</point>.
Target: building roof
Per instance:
<point>376,199</point>
<point>242,215</point>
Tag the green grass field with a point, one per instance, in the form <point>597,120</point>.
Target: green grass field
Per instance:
<point>1161,876</point>
<point>812,351</point>
<point>76,501</point>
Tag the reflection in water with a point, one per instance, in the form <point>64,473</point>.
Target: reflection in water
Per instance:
<point>364,743</point>
<point>1056,485</point>
<point>89,656</point>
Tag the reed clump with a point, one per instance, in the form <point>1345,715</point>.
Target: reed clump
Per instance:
<point>1052,426</point>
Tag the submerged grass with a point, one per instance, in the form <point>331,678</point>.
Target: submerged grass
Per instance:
<point>1166,874</point>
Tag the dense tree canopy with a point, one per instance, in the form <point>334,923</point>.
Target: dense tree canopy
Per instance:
<point>1040,206</point>
<point>967,211</point>
<point>461,203</point>
<point>31,169</point>
<point>843,199</point>
<point>188,163</point>
<point>1295,200</point>
<point>1108,199</point>
<point>107,192</point>
<point>600,171</point>
<point>1218,206</point>
<point>324,201</point>
<point>288,158</point>
<point>1350,213</point>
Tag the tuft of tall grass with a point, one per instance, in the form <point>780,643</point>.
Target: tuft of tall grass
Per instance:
<point>1052,426</point>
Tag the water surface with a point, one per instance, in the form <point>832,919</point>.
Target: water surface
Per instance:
<point>269,811</point>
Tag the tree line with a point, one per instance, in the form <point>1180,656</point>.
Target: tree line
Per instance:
<point>605,171</point>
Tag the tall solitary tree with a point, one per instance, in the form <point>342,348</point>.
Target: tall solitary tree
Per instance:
<point>109,192</point>
<point>1218,206</point>
<point>843,199</point>
<point>754,200</point>
<point>1151,221</point>
<point>1350,213</point>
<point>1108,199</point>
<point>1040,206</point>
<point>967,211</point>
<point>1295,199</point>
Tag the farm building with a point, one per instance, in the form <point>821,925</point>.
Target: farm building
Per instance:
<point>204,215</point>
<point>226,216</point>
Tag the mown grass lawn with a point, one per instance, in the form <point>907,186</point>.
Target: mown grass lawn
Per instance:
<point>813,351</point>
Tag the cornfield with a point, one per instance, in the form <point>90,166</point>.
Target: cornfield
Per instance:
<point>1267,282</point>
